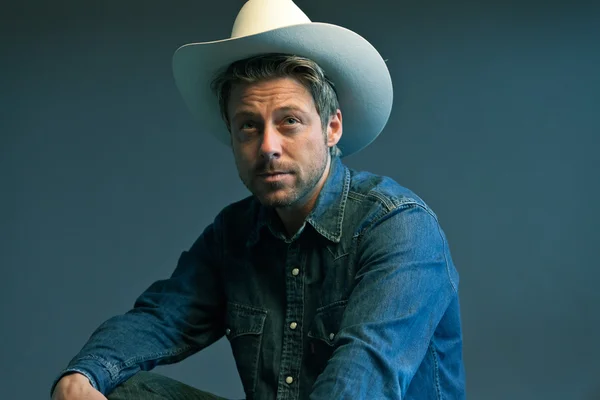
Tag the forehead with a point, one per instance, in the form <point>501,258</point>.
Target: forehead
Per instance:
<point>271,91</point>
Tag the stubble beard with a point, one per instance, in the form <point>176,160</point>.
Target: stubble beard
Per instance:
<point>295,193</point>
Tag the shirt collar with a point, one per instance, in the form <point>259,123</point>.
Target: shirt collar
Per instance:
<point>327,215</point>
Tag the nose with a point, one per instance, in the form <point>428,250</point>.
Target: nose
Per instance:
<point>270,146</point>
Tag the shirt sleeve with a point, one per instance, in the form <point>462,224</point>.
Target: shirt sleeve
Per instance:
<point>405,282</point>
<point>171,320</point>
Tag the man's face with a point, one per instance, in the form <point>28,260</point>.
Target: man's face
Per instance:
<point>280,149</point>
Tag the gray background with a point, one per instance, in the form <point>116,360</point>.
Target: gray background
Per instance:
<point>105,179</point>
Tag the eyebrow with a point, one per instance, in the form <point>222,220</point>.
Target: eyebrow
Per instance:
<point>248,113</point>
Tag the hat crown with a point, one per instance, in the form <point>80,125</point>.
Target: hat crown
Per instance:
<point>257,16</point>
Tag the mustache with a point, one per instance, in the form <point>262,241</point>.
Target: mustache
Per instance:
<point>270,167</point>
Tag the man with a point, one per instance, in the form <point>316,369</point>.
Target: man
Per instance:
<point>329,283</point>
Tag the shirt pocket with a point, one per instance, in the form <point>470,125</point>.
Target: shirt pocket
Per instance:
<point>244,327</point>
<point>323,332</point>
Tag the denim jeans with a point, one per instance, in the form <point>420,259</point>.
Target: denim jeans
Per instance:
<point>151,386</point>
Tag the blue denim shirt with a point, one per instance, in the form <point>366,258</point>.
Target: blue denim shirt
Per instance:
<point>361,303</point>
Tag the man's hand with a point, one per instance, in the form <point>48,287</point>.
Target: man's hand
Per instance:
<point>76,387</point>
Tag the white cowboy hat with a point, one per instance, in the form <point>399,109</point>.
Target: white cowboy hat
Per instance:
<point>359,73</point>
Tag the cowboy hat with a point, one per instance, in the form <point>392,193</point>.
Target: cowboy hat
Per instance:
<point>359,73</point>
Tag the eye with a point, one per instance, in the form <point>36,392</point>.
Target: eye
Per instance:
<point>245,130</point>
<point>247,126</point>
<point>290,121</point>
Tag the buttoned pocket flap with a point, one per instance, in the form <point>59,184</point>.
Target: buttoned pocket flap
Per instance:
<point>326,322</point>
<point>244,320</point>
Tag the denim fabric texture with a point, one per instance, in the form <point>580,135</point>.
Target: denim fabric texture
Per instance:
<point>361,303</point>
<point>150,386</point>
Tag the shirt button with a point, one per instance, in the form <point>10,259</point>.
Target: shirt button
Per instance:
<point>289,380</point>
<point>227,331</point>
<point>295,271</point>
<point>293,325</point>
<point>331,336</point>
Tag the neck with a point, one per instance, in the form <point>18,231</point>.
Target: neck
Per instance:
<point>293,217</point>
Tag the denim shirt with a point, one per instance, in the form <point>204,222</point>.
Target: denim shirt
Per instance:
<point>361,303</point>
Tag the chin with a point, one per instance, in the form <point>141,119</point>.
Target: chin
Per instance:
<point>276,199</point>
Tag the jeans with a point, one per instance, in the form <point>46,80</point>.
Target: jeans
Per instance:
<point>152,386</point>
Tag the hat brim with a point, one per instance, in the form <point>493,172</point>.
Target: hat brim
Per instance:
<point>360,75</point>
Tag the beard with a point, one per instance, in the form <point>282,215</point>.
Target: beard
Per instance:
<point>284,194</point>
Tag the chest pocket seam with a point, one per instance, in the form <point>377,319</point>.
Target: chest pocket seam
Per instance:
<point>244,320</point>
<point>244,330</point>
<point>326,322</point>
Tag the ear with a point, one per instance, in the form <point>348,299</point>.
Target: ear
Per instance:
<point>334,128</point>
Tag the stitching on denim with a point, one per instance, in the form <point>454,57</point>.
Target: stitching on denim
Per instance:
<point>94,357</point>
<point>251,309</point>
<point>93,382</point>
<point>113,369</point>
<point>436,371</point>
<point>444,243</point>
<point>389,205</point>
<point>344,199</point>
<point>333,238</point>
<point>340,216</point>
<point>257,314</point>
<point>335,258</point>
<point>323,313</point>
<point>445,248</point>
<point>357,196</point>
<point>329,306</point>
<point>341,256</point>
<point>256,359</point>
<point>360,235</point>
<point>262,315</point>
<point>405,205</point>
<point>177,351</point>
<point>300,360</point>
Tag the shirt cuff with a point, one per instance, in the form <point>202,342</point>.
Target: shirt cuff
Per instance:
<point>91,369</point>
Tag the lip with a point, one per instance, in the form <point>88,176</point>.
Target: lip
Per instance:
<point>273,176</point>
